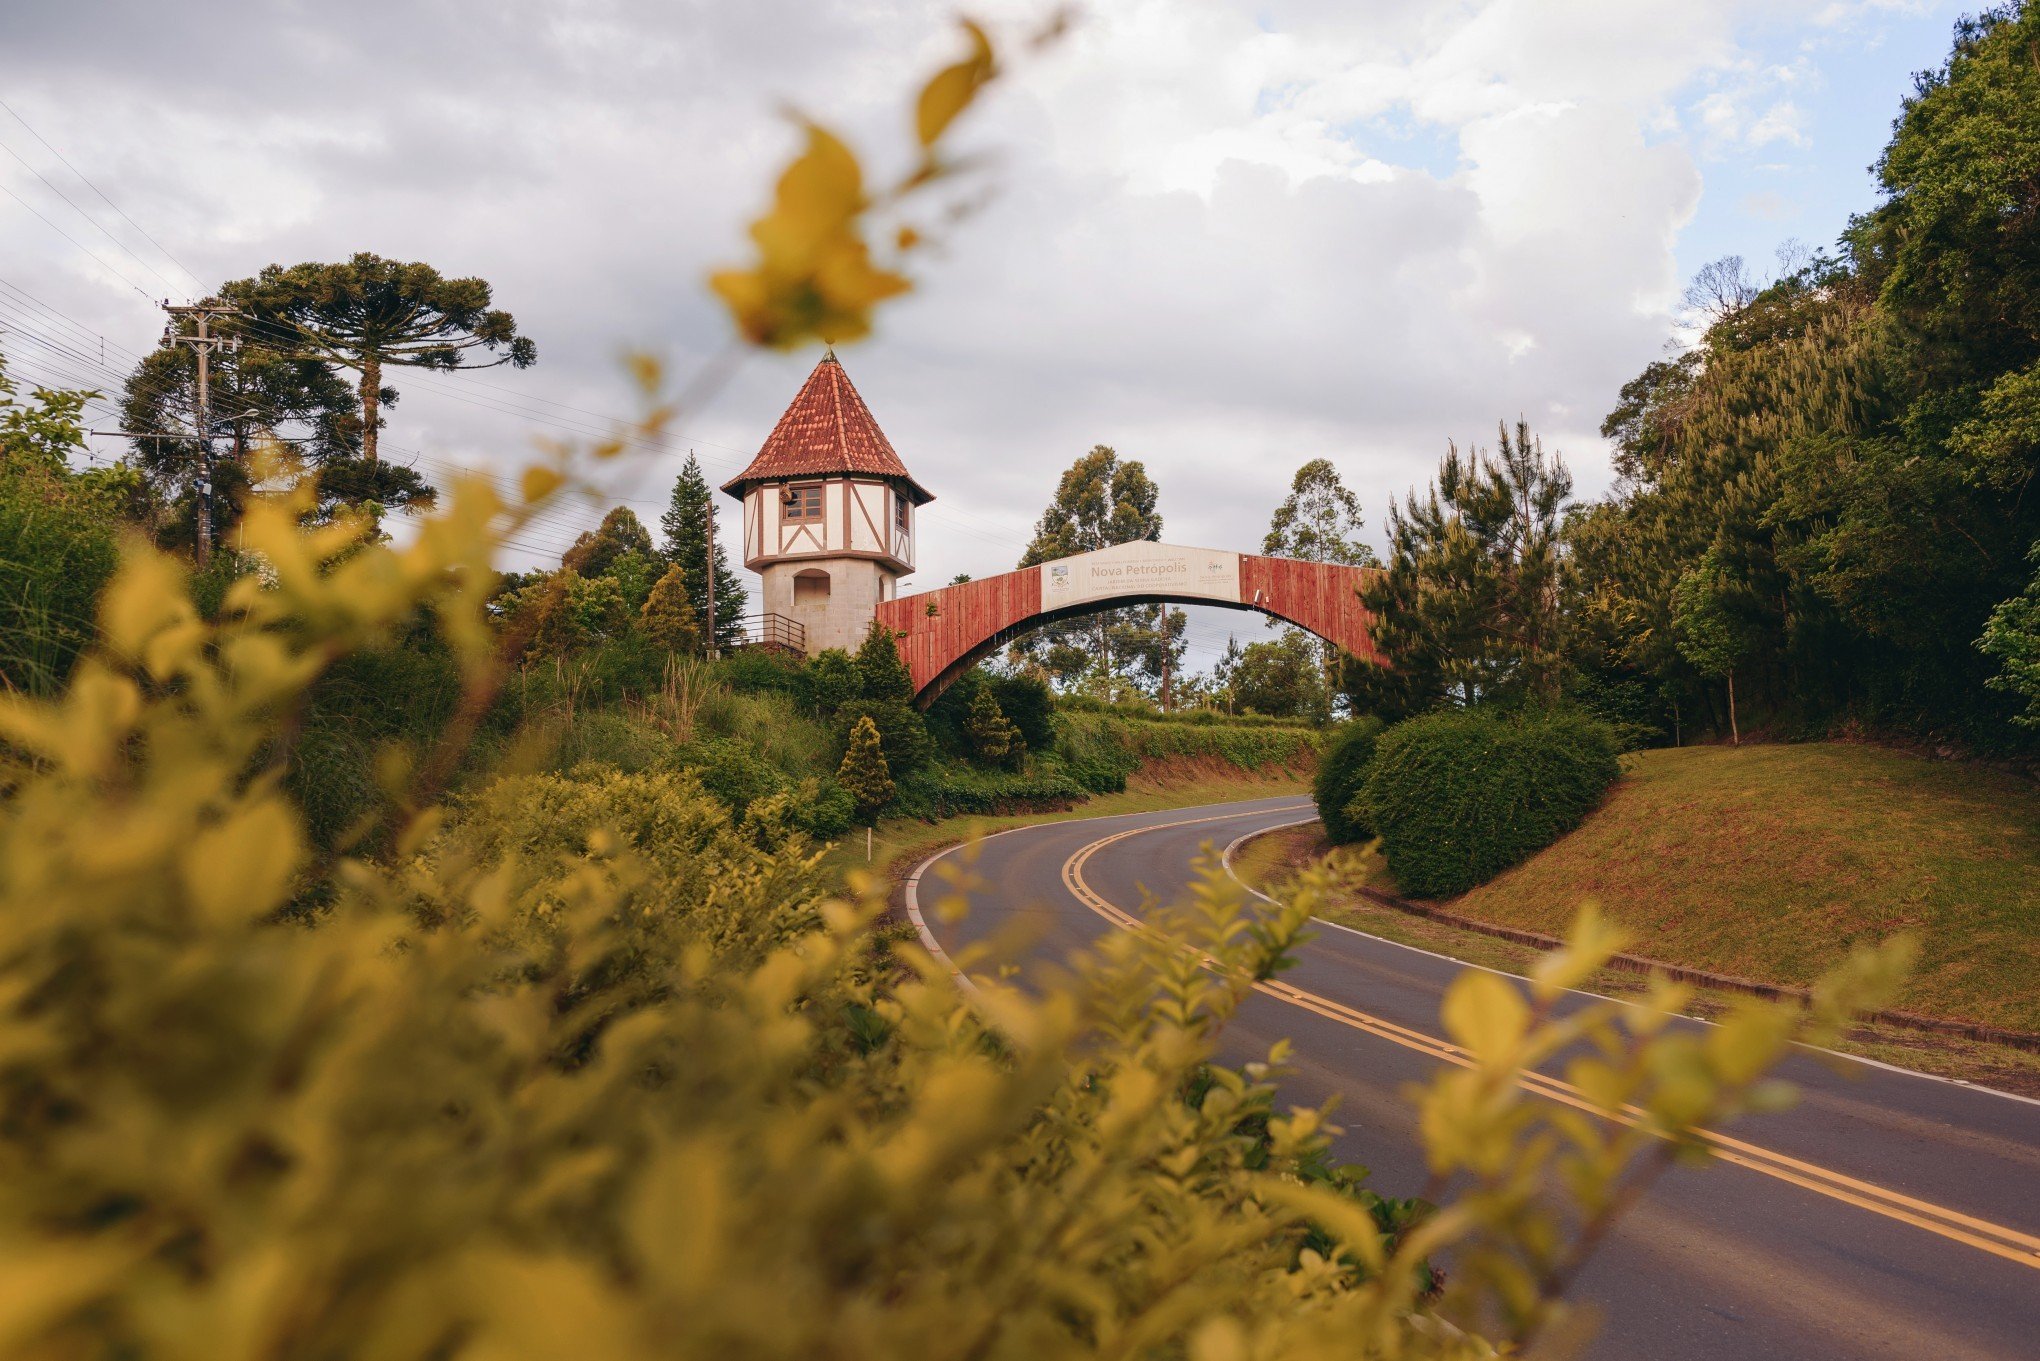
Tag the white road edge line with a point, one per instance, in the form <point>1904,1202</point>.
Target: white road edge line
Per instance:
<point>1225,859</point>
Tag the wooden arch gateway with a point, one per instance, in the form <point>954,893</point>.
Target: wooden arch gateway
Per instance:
<point>943,633</point>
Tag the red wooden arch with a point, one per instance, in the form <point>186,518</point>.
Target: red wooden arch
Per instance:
<point>942,633</point>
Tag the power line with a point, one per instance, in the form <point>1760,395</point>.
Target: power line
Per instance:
<point>76,242</point>
<point>87,216</point>
<point>16,116</point>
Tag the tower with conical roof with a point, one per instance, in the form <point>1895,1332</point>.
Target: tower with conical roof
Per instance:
<point>828,512</point>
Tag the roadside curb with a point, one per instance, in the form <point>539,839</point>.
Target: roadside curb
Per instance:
<point>1904,1020</point>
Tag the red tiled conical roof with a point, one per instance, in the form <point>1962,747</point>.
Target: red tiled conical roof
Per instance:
<point>827,431</point>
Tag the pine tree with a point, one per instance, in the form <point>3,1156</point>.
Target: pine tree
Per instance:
<point>668,619</point>
<point>685,528</point>
<point>993,738</point>
<point>881,673</point>
<point>1469,605</point>
<point>863,774</point>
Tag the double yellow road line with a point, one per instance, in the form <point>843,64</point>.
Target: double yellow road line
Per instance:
<point>2011,1244</point>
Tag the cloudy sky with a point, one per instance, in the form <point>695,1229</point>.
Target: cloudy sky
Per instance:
<point>1223,238</point>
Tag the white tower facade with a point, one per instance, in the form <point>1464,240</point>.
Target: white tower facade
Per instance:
<point>828,513</point>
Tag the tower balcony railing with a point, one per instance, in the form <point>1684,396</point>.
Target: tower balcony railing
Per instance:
<point>772,631</point>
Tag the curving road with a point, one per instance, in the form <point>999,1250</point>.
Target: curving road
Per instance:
<point>1887,1215</point>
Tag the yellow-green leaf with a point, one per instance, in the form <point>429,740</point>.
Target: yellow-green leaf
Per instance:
<point>1486,1014</point>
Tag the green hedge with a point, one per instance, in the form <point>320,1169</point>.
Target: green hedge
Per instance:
<point>1342,776</point>
<point>1101,749</point>
<point>1460,796</point>
<point>961,790</point>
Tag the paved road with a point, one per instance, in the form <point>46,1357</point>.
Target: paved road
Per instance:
<point>1888,1215</point>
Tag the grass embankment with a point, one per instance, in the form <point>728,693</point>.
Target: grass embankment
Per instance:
<point>1768,863</point>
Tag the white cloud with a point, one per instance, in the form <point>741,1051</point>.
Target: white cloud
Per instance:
<point>1227,237</point>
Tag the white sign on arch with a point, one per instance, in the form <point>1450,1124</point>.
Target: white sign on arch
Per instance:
<point>1131,569</point>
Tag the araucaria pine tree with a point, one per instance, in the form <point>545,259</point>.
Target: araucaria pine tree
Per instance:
<point>668,618</point>
<point>685,528</point>
<point>864,774</point>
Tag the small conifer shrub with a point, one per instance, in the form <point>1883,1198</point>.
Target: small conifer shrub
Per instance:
<point>668,618</point>
<point>863,774</point>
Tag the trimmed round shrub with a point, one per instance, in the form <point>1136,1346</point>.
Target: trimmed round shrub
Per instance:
<point>1341,778</point>
<point>1457,797</point>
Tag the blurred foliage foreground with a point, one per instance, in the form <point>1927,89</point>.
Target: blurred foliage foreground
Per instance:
<point>587,1068</point>
<point>583,1067</point>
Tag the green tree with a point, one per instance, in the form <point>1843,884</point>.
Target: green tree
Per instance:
<point>1319,521</point>
<point>1100,501</point>
<point>668,616</point>
<point>881,672</point>
<point>1469,606</point>
<point>885,696</point>
<point>1280,677</point>
<point>258,392</point>
<point>833,680</point>
<point>993,739</point>
<point>1712,633</point>
<point>864,774</point>
<point>2011,636</point>
<point>45,432</point>
<point>594,550</point>
<point>556,628</point>
<point>368,314</point>
<point>684,526</point>
<point>1148,644</point>
<point>58,538</point>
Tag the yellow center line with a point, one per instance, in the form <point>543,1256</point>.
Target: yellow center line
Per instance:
<point>1999,1240</point>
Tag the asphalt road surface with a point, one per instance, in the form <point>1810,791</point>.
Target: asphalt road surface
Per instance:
<point>1887,1215</point>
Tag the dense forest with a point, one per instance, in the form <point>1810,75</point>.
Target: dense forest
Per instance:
<point>1826,513</point>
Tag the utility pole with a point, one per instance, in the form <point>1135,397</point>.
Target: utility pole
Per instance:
<point>1167,647</point>
<point>708,575</point>
<point>204,343</point>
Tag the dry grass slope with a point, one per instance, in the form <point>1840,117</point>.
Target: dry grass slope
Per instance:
<point>1769,862</point>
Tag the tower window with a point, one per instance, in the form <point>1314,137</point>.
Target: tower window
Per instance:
<point>810,585</point>
<point>802,503</point>
<point>899,512</point>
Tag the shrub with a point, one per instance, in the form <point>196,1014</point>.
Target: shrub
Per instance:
<point>1029,705</point>
<point>821,807</point>
<point>863,774</point>
<point>1341,777</point>
<point>881,672</point>
<point>1461,795</point>
<point>967,791</point>
<point>733,772</point>
<point>757,670</point>
<point>832,681</point>
<point>56,554</point>
<point>994,740</point>
<point>586,1067</point>
<point>667,616</point>
<point>901,732</point>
